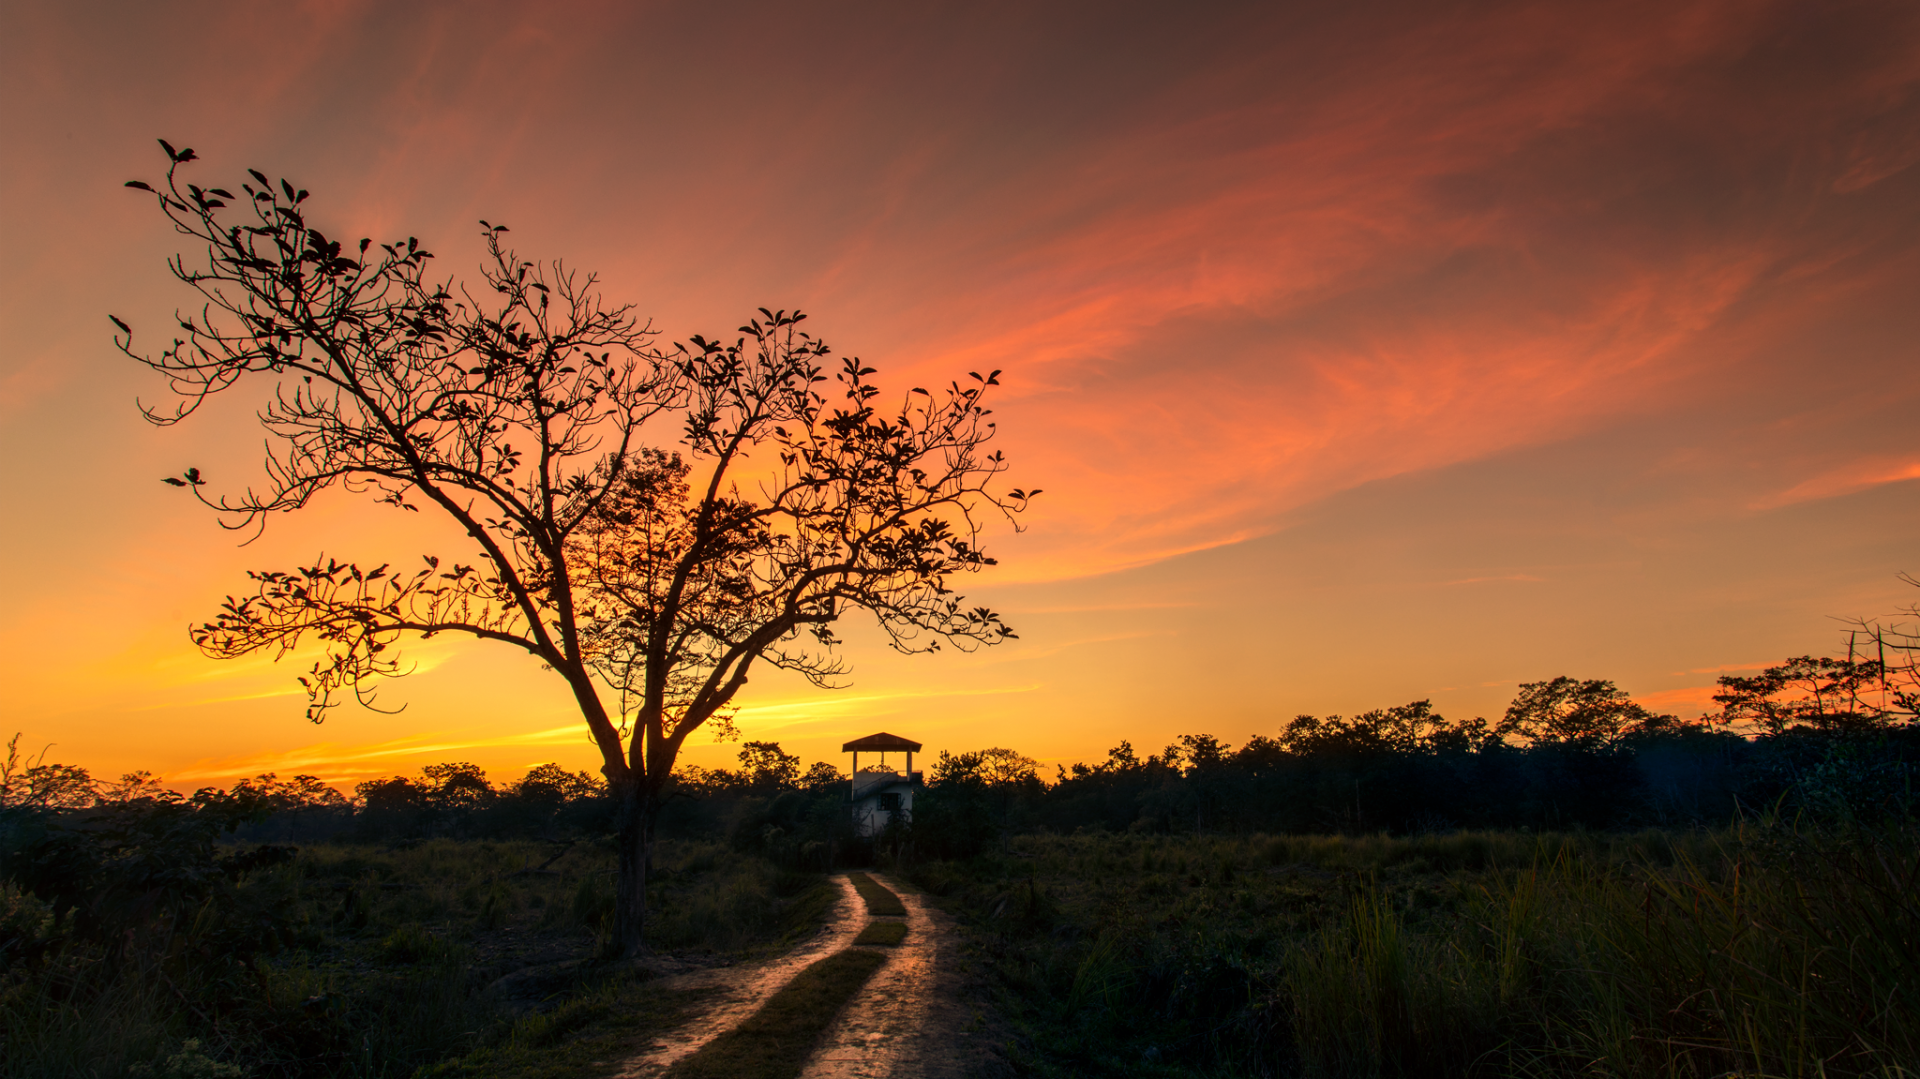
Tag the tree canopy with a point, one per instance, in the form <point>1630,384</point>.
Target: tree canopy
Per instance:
<point>648,520</point>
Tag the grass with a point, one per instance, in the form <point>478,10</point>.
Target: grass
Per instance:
<point>389,960</point>
<point>879,900</point>
<point>884,933</point>
<point>587,1035</point>
<point>776,1041</point>
<point>1759,951</point>
<point>800,915</point>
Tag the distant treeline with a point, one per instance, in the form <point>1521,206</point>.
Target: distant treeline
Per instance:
<point>1831,737</point>
<point>1827,737</point>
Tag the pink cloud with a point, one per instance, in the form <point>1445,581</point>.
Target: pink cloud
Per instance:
<point>1848,479</point>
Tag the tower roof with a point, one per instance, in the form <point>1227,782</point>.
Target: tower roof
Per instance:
<point>878,742</point>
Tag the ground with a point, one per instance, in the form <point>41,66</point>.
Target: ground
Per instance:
<point>911,1019</point>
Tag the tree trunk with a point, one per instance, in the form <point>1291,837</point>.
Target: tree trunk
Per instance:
<point>635,817</point>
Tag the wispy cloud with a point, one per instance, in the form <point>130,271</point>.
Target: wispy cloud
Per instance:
<point>1848,479</point>
<point>1100,608</point>
<point>785,715</point>
<point>334,761</point>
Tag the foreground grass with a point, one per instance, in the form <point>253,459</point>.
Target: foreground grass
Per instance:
<point>381,961</point>
<point>886,934</point>
<point>776,1041</point>
<point>879,900</point>
<point>1754,952</point>
<point>592,1034</point>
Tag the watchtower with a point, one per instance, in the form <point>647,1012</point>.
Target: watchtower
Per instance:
<point>881,795</point>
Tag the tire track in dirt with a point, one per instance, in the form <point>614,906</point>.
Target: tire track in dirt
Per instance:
<point>744,987</point>
<point>908,1021</point>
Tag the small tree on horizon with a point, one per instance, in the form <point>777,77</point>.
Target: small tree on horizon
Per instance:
<point>1818,693</point>
<point>767,768</point>
<point>1588,715</point>
<point>530,413</point>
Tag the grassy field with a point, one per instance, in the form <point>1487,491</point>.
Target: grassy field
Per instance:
<point>473,957</point>
<point>1768,950</point>
<point>1763,951</point>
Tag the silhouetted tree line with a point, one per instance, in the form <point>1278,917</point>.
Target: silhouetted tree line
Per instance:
<point>1822,736</point>
<point>131,863</point>
<point>769,799</point>
<point>1829,737</point>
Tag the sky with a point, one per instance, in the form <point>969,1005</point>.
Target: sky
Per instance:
<point>1366,353</point>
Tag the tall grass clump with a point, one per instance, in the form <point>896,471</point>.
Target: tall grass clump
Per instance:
<point>83,1018</point>
<point>1782,952</point>
<point>1370,998</point>
<point>1769,949</point>
<point>1789,953</point>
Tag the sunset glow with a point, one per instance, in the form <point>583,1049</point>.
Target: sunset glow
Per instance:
<point>1365,354</point>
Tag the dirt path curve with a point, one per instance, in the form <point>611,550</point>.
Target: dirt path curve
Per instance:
<point>910,1021</point>
<point>746,986</point>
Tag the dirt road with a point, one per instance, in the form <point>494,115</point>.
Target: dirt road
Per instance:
<point>910,1021</point>
<point>745,986</point>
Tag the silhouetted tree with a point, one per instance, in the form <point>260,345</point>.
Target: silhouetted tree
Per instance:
<point>550,784</point>
<point>1822,694</point>
<point>288,795</point>
<point>458,785</point>
<point>36,784</point>
<point>967,784</point>
<point>1406,728</point>
<point>391,794</point>
<point>516,410</point>
<point>820,778</point>
<point>768,768</point>
<point>995,768</point>
<point>1588,715</point>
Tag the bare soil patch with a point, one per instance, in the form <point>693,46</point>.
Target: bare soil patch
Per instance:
<point>913,1019</point>
<point>740,989</point>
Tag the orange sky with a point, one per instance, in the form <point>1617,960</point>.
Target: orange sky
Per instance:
<point>1368,354</point>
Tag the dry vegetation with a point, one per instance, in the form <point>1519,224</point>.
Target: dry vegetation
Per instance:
<point>1767,950</point>
<point>461,954</point>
